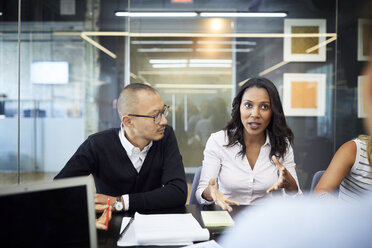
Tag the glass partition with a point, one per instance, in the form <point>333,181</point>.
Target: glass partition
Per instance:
<point>8,98</point>
<point>76,56</point>
<point>198,63</point>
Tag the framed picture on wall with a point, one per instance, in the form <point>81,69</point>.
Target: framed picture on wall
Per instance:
<point>364,25</point>
<point>297,48</point>
<point>361,102</point>
<point>304,94</point>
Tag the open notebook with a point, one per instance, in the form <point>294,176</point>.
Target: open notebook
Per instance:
<point>162,229</point>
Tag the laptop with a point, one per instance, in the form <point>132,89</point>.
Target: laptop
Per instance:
<point>49,214</point>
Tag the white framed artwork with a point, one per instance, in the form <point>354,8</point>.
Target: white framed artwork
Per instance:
<point>296,48</point>
<point>361,103</point>
<point>364,25</point>
<point>304,94</point>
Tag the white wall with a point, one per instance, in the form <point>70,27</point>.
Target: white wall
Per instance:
<point>55,140</point>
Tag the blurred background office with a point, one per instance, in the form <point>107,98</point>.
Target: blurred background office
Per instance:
<point>77,55</point>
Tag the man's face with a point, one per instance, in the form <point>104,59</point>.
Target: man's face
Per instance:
<point>149,103</point>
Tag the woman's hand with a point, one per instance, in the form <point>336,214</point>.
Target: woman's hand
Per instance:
<point>212,192</point>
<point>285,180</point>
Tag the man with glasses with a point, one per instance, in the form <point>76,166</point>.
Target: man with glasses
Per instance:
<point>138,166</point>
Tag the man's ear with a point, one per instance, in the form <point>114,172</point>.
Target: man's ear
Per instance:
<point>127,121</point>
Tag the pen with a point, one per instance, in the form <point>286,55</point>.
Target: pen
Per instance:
<point>107,212</point>
<point>127,226</point>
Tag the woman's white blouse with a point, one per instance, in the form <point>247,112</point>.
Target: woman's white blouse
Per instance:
<point>236,179</point>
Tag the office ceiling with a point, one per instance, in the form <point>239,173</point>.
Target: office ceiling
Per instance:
<point>95,15</point>
<point>39,10</point>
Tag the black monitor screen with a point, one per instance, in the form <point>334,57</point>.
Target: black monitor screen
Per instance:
<point>48,218</point>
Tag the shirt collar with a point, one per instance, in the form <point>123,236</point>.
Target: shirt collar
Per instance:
<point>129,147</point>
<point>267,141</point>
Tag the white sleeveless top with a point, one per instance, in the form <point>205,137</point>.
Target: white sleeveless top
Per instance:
<point>358,181</point>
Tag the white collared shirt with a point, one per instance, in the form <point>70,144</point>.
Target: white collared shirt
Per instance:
<point>236,179</point>
<point>135,155</point>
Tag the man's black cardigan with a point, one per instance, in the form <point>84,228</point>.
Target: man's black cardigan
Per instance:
<point>160,184</point>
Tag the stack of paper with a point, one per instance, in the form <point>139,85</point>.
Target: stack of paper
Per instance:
<point>216,220</point>
<point>205,244</point>
<point>162,229</point>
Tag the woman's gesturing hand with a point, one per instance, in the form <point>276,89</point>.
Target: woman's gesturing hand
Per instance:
<point>219,198</point>
<point>285,179</point>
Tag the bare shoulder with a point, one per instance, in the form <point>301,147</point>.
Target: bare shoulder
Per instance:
<point>347,152</point>
<point>349,147</point>
<point>340,165</point>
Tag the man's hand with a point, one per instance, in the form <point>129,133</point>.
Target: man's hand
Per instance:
<point>285,180</point>
<point>219,198</point>
<point>101,221</point>
<point>100,201</point>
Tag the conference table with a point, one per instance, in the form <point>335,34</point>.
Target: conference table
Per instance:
<point>110,237</point>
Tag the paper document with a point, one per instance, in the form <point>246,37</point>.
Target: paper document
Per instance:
<point>162,229</point>
<point>206,244</point>
<point>217,219</point>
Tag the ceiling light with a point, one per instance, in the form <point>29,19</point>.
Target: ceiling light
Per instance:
<point>181,1</point>
<point>194,86</point>
<point>201,72</point>
<point>168,65</point>
<point>225,61</point>
<point>164,50</point>
<point>226,42</point>
<point>156,14</point>
<point>240,50</point>
<point>241,14</point>
<point>210,65</point>
<point>162,42</point>
<point>216,24</point>
<point>183,91</point>
<point>168,61</point>
<point>1,13</point>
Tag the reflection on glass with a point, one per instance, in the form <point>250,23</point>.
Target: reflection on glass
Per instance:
<point>194,62</point>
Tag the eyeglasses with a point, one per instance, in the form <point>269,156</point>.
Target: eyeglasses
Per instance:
<point>157,117</point>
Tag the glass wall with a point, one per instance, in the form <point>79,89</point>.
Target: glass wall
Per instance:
<point>76,56</point>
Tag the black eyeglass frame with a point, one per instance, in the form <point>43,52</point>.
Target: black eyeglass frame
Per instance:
<point>163,112</point>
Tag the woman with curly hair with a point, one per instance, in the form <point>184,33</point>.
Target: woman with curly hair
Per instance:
<point>252,155</point>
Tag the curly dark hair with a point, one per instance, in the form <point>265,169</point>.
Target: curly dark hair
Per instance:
<point>280,134</point>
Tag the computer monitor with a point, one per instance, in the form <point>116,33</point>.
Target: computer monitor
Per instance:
<point>49,214</point>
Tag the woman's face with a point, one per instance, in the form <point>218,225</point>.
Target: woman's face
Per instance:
<point>255,111</point>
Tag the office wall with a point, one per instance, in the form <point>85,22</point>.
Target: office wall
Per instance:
<point>46,143</point>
